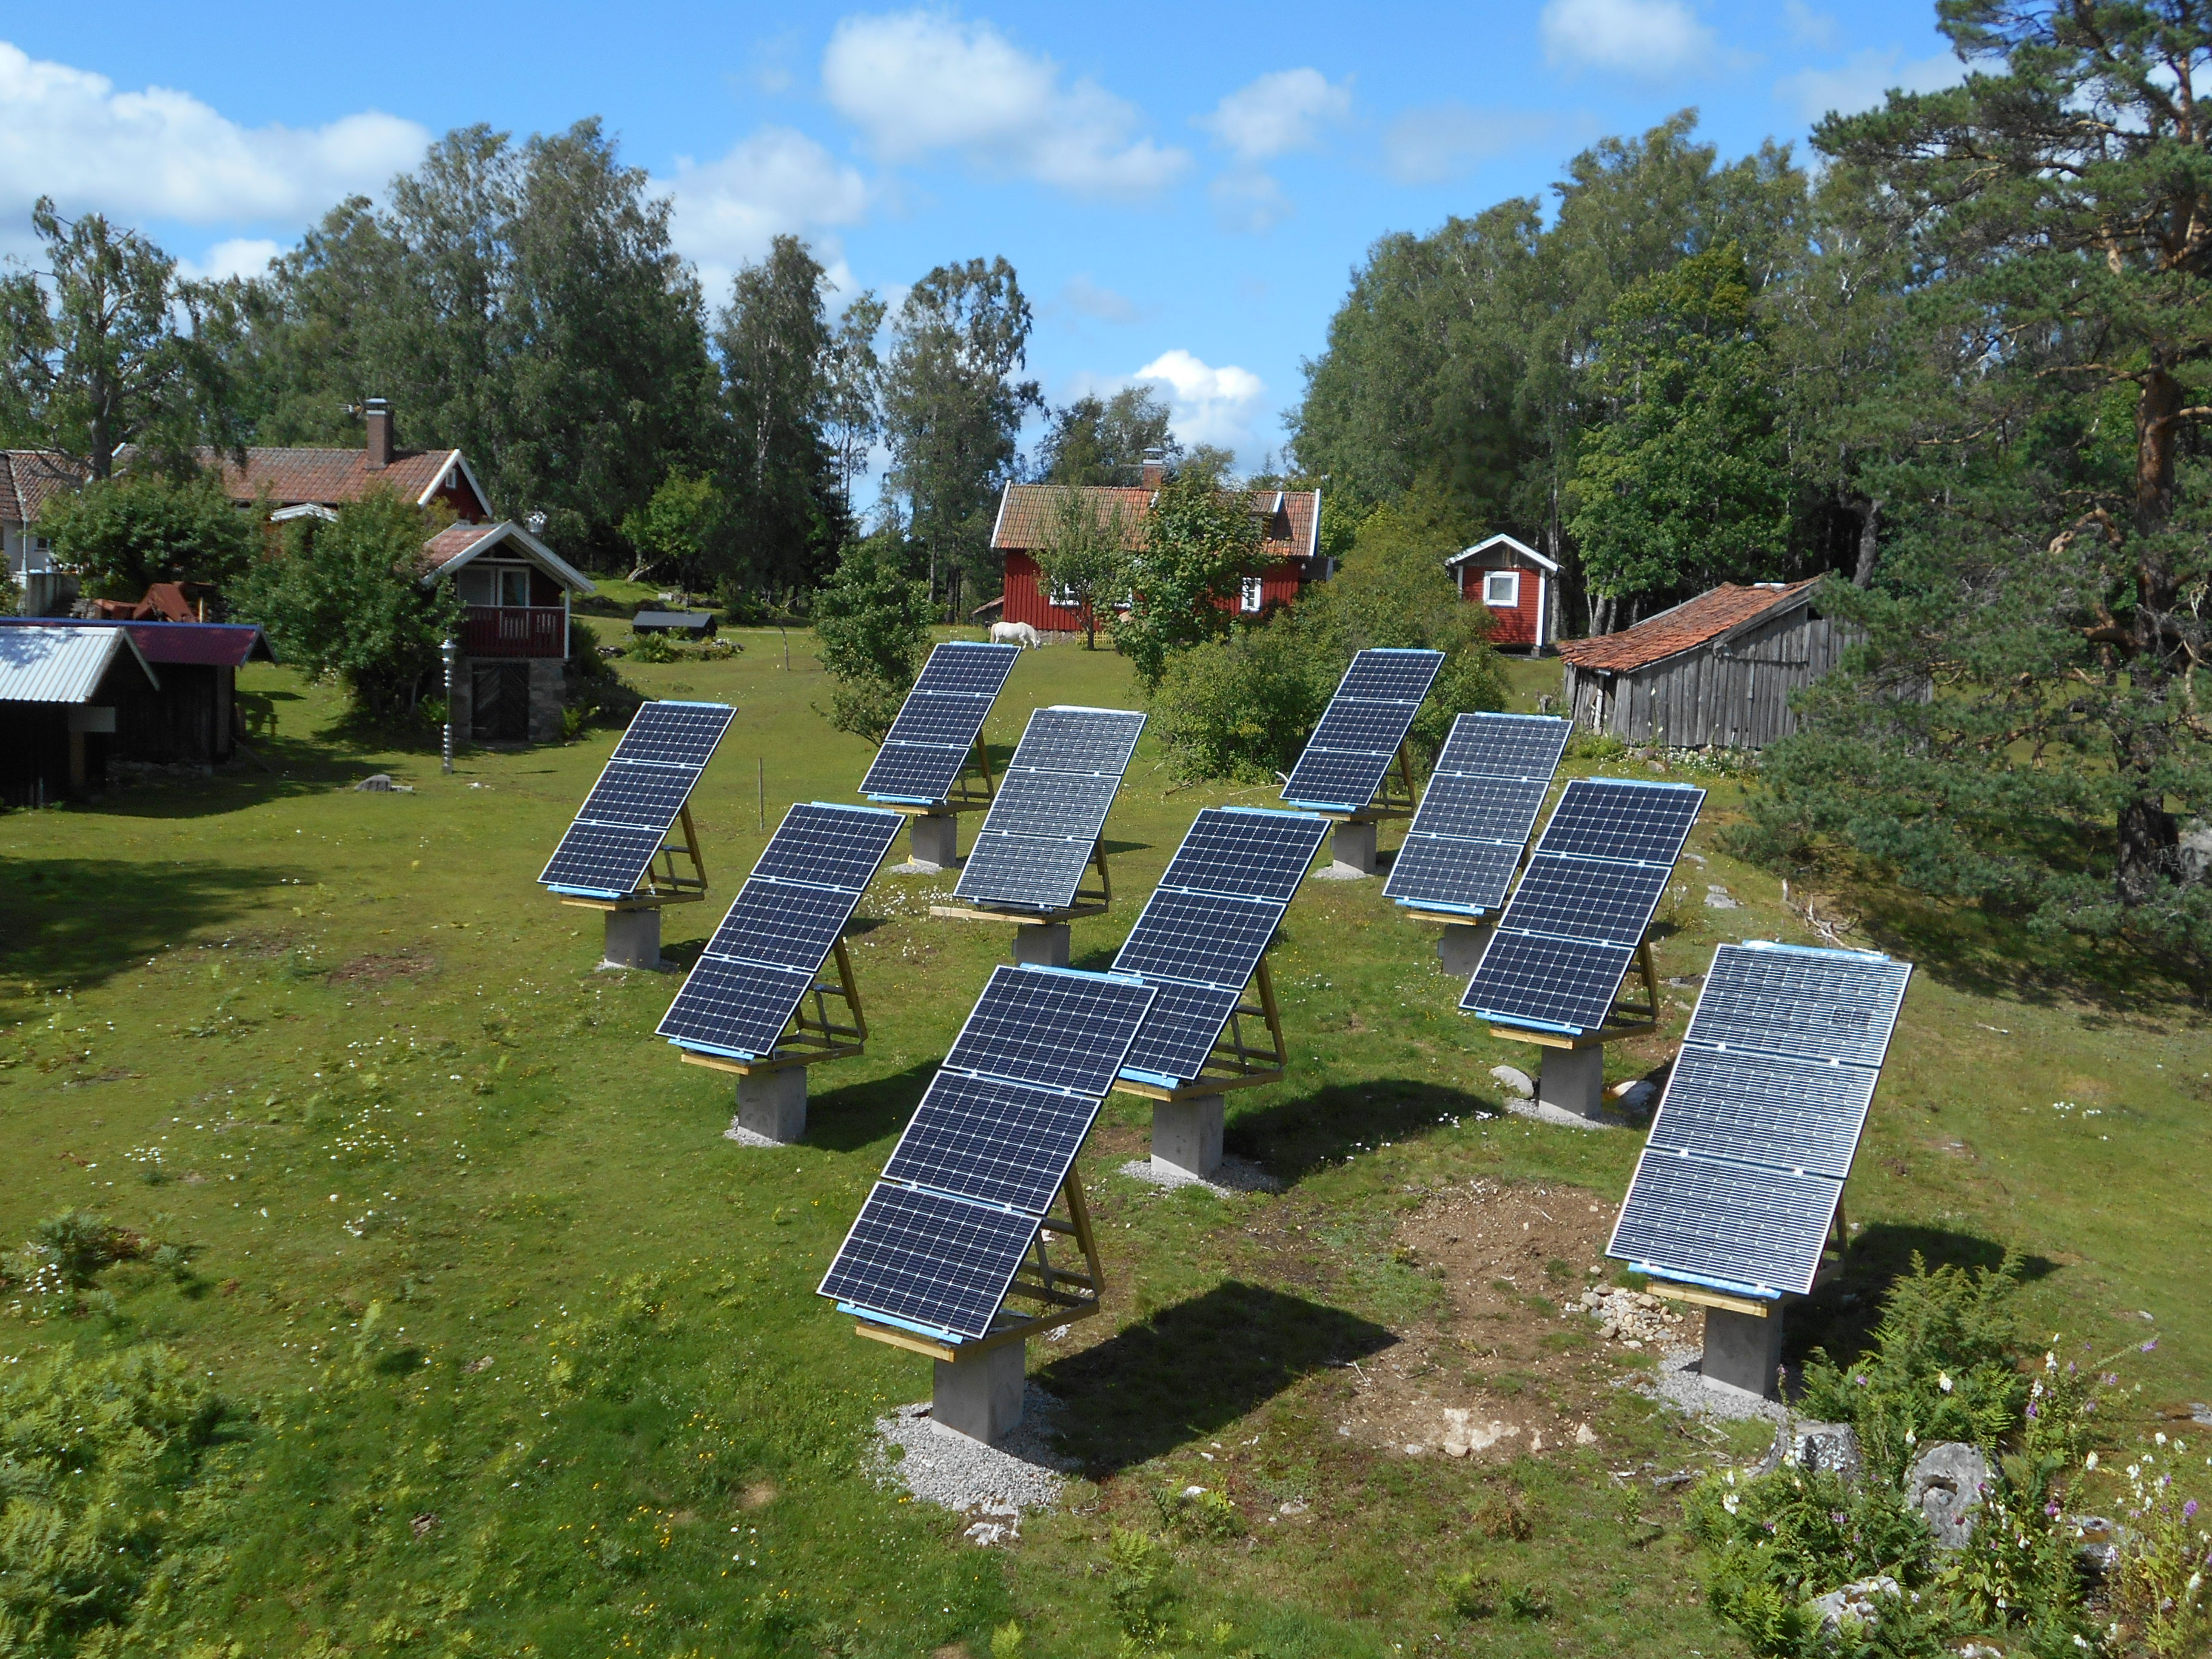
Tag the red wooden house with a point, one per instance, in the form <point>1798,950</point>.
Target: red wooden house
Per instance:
<point>1518,584</point>
<point>511,681</point>
<point>1290,529</point>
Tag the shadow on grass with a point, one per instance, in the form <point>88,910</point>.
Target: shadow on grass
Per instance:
<point>77,922</point>
<point>1293,1138</point>
<point>1191,1369</point>
<point>860,1113</point>
<point>1840,1315</point>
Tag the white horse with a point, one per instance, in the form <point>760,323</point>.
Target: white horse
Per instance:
<point>1021,634</point>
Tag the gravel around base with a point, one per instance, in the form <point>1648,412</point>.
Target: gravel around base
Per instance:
<point>745,1137</point>
<point>1234,1175</point>
<point>1544,1114</point>
<point>1678,1384</point>
<point>994,1484</point>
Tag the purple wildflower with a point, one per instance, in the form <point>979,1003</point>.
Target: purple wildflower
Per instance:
<point>2150,1345</point>
<point>2188,1510</point>
<point>2032,1413</point>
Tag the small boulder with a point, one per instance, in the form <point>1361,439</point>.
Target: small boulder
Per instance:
<point>2098,1542</point>
<point>379,783</point>
<point>2195,851</point>
<point>1514,1081</point>
<point>1833,1447</point>
<point>1857,1600</point>
<point>1719,898</point>
<point>1945,1484</point>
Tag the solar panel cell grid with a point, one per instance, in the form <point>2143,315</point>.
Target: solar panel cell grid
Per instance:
<point>1361,727</point>
<point>997,1143</point>
<point>1754,1227</point>
<point>1056,804</point>
<point>674,733</point>
<point>1081,740</point>
<point>740,1007</point>
<point>646,797</point>
<point>1254,854</point>
<point>1201,936</point>
<point>1333,779</point>
<point>913,772</point>
<point>1024,871</point>
<point>1505,745</point>
<point>1526,978</point>
<point>609,858</point>
<point>782,923</point>
<point>1763,1108</point>
<point>1828,1005</point>
<point>1185,1022</point>
<point>829,846</point>
<point>1056,1029</point>
<point>959,669</point>
<point>935,1260</point>
<point>1587,898</point>
<point>946,722</point>
<point>1646,823</point>
<point>1471,875</point>
<point>1480,808</point>
<point>1387,676</point>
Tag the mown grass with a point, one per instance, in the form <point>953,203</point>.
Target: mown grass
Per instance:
<point>405,1129</point>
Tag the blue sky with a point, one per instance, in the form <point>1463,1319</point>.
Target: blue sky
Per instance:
<point>1183,191</point>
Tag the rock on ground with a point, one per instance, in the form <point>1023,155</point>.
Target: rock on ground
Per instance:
<point>1945,1484</point>
<point>1858,1600</point>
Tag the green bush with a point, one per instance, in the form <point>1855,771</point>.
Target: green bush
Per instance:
<point>1137,1587</point>
<point>871,625</point>
<point>80,1243</point>
<point>650,647</point>
<point>1240,708</point>
<point>590,685</point>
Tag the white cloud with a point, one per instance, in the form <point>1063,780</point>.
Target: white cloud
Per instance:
<point>728,211</point>
<point>1647,39</point>
<point>1209,406</point>
<point>917,84</point>
<point>1860,82</point>
<point>1279,113</point>
<point>1808,28</point>
<point>162,154</point>
<point>1079,293</point>
<point>1429,145</point>
<point>238,255</point>
<point>1249,201</point>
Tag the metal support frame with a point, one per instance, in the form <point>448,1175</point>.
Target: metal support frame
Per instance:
<point>814,1033</point>
<point>668,885</point>
<point>1063,1294</point>
<point>1235,1063</point>
<point>1623,1020</point>
<point>1088,901</point>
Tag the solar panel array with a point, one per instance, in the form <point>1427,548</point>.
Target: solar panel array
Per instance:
<point>1567,938</point>
<point>1350,752</point>
<point>782,926</point>
<point>942,1233</point>
<point>619,827</point>
<point>1465,843</point>
<point>1206,926</point>
<point>1051,805</point>
<point>927,746</point>
<point>1739,1183</point>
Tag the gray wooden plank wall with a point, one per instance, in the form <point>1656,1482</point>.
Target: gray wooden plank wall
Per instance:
<point>1737,697</point>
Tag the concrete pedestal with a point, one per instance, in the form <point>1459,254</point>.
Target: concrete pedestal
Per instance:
<point>936,839</point>
<point>981,1395</point>
<point>1187,1135</point>
<point>1743,1351</point>
<point>634,939</point>
<point>1572,1079</point>
<point>1353,847</point>
<point>1460,947</point>
<point>1045,945</point>
<point>773,1104</point>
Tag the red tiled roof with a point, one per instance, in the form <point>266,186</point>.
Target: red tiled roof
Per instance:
<point>29,479</point>
<point>449,544</point>
<point>1688,625</point>
<point>329,477</point>
<point>1026,515</point>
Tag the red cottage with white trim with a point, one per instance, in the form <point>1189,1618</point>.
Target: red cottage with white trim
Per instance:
<point>1518,584</point>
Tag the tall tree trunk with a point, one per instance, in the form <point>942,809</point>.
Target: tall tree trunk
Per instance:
<point>2148,835</point>
<point>1869,512</point>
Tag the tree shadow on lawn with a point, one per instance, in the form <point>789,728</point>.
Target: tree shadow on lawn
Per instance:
<point>861,1114</point>
<point>75,922</point>
<point>1192,1369</point>
<point>1841,1315</point>
<point>1293,1137</point>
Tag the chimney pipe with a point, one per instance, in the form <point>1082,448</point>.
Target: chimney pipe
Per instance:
<point>1154,471</point>
<point>376,414</point>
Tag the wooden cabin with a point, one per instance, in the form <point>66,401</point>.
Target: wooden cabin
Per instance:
<point>1716,671</point>
<point>61,687</point>
<point>510,684</point>
<point>1518,585</point>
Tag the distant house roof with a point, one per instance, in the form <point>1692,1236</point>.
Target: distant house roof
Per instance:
<point>45,662</point>
<point>327,477</point>
<point>29,479</point>
<point>1712,616</point>
<point>457,545</point>
<point>1289,518</point>
<point>218,645</point>
<point>1485,552</point>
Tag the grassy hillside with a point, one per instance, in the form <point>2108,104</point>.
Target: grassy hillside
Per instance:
<point>524,1356</point>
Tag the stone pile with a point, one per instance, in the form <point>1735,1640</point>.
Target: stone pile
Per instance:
<point>1635,1319</point>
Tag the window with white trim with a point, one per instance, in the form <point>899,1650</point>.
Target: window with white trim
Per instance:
<point>1065,597</point>
<point>1501,589</point>
<point>1254,595</point>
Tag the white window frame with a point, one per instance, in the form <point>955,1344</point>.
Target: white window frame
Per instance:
<point>1252,595</point>
<point>1064,597</point>
<point>1511,599</point>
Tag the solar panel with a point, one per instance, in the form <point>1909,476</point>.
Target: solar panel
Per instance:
<point>941,1235</point>
<point>1570,933</point>
<point>785,920</point>
<point>1050,809</point>
<point>1351,750</point>
<point>1444,872</point>
<point>927,746</point>
<point>1762,1116</point>
<point>1465,841</point>
<point>1206,926</point>
<point>619,827</point>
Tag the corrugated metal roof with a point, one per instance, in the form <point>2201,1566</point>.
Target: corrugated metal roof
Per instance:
<point>63,664</point>
<point>206,644</point>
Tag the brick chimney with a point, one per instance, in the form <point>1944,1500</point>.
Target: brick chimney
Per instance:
<point>1155,472</point>
<point>376,414</point>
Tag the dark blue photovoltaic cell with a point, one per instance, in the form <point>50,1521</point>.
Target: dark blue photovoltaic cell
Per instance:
<point>1588,898</point>
<point>960,668</point>
<point>930,1258</point>
<point>1352,748</point>
<point>828,846</point>
<point>1473,875</point>
<point>1829,1005</point>
<point>1069,739</point>
<point>1206,937</point>
<point>1185,1022</point>
<point>1252,854</point>
<point>1062,804</point>
<point>674,733</point>
<point>1390,675</point>
<point>928,743</point>
<point>619,830</point>
<point>602,858</point>
<point>913,772</point>
<point>1050,809</point>
<point>1791,1113</point>
<point>1762,1229</point>
<point>1526,978</point>
<point>641,797</point>
<point>1464,844</point>
<point>1050,1027</point>
<point>733,1007</point>
<point>1642,822</point>
<point>997,1143</point>
<point>1505,745</point>
<point>1024,871</point>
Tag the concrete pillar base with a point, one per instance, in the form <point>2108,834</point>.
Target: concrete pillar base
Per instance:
<point>1460,947</point>
<point>936,838</point>
<point>634,939</point>
<point>1743,1351</point>
<point>1046,945</point>
<point>773,1104</point>
<point>1187,1135</point>
<point>1352,846</point>
<point>980,1396</point>
<point>1572,1079</point>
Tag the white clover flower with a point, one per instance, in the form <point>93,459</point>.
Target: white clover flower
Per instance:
<point>2159,1437</point>
<point>1732,1503</point>
<point>1943,1380</point>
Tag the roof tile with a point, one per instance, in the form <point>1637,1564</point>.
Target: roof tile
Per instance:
<point>1688,625</point>
<point>1025,517</point>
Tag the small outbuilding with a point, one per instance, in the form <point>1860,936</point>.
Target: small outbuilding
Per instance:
<point>61,688</point>
<point>1518,585</point>
<point>509,685</point>
<point>1717,670</point>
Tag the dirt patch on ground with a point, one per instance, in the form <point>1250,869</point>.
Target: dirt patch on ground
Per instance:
<point>375,969</point>
<point>1517,1365</point>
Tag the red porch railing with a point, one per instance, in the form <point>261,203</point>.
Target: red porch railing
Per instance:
<point>535,631</point>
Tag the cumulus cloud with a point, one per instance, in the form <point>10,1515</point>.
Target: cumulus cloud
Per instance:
<point>1861,80</point>
<point>919,84</point>
<point>1648,39</point>
<point>1209,406</point>
<point>237,256</point>
<point>160,153</point>
<point>1806,27</point>
<point>1429,145</point>
<point>1278,113</point>
<point>777,181</point>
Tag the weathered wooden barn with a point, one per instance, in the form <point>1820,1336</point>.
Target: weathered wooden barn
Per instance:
<point>60,688</point>
<point>1717,670</point>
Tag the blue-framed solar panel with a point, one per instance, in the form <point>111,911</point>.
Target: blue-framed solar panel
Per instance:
<point>765,957</point>
<point>941,1235</point>
<point>1738,1185</point>
<point>1350,752</point>
<point>1206,927</point>
<point>1466,841</point>
<point>1051,807</point>
<point>620,827</point>
<point>928,745</point>
<point>1567,936</point>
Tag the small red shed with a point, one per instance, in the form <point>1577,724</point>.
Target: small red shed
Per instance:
<point>1517,583</point>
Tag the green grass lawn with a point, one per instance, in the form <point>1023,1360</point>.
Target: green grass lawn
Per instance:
<point>527,1355</point>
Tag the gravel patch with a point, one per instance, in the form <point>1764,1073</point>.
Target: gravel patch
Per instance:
<point>745,1137</point>
<point>992,1484</point>
<point>1235,1175</point>
<point>1678,1384</point>
<point>1544,1113</point>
